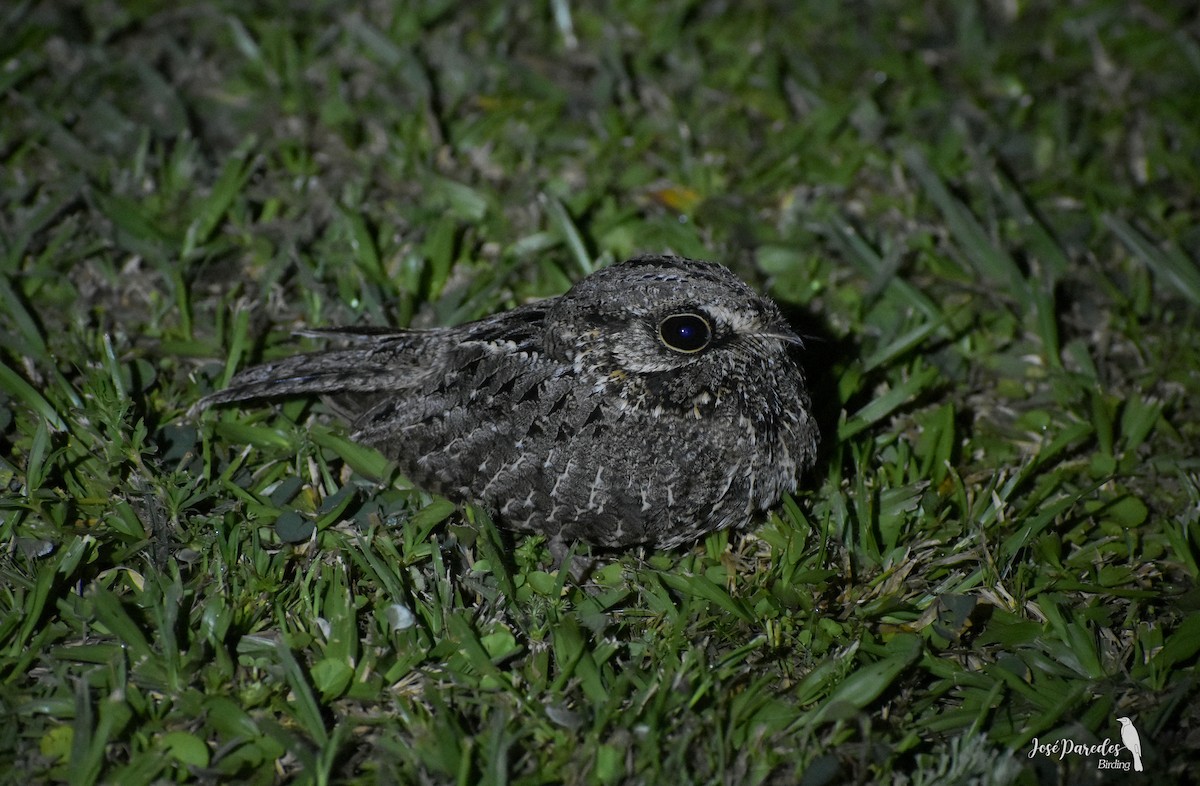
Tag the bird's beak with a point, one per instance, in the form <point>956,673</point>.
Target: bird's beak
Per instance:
<point>780,332</point>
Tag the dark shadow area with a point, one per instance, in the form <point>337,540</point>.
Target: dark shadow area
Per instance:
<point>817,359</point>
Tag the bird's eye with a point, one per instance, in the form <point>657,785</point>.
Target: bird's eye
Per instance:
<point>688,332</point>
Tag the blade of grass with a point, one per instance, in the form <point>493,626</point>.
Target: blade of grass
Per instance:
<point>13,384</point>
<point>988,260</point>
<point>1168,264</point>
<point>210,212</point>
<point>883,406</point>
<point>307,711</point>
<point>859,253</point>
<point>562,222</point>
<point>867,683</point>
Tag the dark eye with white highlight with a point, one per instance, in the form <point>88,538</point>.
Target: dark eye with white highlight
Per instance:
<point>686,332</point>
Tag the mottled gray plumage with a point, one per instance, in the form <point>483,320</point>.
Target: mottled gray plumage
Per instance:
<point>652,403</point>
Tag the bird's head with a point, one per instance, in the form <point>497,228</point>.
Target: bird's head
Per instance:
<point>654,314</point>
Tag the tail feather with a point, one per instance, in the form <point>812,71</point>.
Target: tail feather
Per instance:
<point>356,369</point>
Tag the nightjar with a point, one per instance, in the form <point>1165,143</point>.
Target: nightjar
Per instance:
<point>652,403</point>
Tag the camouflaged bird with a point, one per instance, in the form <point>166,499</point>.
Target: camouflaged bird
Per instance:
<point>652,403</point>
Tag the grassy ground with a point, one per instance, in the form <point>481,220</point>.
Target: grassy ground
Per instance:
<point>984,213</point>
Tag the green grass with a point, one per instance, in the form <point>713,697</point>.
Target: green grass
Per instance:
<point>984,214</point>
